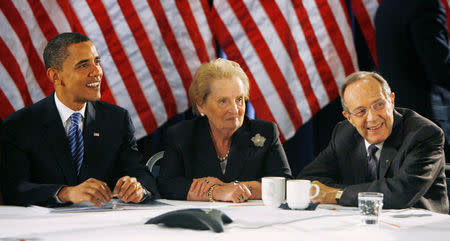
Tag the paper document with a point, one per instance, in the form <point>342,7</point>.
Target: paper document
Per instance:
<point>109,206</point>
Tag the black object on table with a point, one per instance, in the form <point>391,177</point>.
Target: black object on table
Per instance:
<point>193,218</point>
<point>311,206</point>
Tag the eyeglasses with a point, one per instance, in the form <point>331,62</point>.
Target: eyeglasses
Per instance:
<point>362,111</point>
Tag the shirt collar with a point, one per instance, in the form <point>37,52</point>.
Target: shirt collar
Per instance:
<point>65,112</point>
<point>379,145</point>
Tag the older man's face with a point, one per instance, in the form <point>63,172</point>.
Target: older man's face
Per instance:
<point>371,113</point>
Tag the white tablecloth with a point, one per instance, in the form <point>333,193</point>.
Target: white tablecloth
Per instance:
<point>251,221</point>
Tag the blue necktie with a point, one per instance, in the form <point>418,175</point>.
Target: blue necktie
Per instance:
<point>76,141</point>
<point>372,163</point>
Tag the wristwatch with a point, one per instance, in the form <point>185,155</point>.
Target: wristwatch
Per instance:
<point>338,195</point>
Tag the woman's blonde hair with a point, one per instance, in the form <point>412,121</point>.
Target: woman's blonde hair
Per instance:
<point>208,72</point>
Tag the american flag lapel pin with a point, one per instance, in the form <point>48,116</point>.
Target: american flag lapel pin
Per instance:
<point>96,134</point>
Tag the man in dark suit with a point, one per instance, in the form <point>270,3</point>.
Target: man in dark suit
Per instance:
<point>380,148</point>
<point>71,147</point>
<point>414,55</point>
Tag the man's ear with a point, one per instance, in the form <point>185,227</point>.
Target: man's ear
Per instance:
<point>392,98</point>
<point>346,115</point>
<point>54,76</point>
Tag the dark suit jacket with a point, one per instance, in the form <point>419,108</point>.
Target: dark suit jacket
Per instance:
<point>37,160</point>
<point>411,164</point>
<point>414,56</point>
<point>191,154</point>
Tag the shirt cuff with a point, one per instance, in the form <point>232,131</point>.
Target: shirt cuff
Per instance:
<point>147,195</point>
<point>56,195</point>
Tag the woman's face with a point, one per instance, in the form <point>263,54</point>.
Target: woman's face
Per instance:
<point>225,105</point>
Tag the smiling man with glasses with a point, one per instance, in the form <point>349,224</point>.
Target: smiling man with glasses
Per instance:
<point>380,148</point>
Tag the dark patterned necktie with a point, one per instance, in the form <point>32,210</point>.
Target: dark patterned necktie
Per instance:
<point>372,163</point>
<point>76,141</point>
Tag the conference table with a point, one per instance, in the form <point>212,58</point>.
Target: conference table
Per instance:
<point>252,221</point>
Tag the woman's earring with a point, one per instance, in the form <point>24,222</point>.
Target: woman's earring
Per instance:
<point>202,114</point>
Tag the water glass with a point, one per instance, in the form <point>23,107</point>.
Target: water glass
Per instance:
<point>370,205</point>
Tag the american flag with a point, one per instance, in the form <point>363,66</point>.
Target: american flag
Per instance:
<point>296,53</point>
<point>149,50</point>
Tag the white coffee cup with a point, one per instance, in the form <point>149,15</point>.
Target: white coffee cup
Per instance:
<point>299,193</point>
<point>273,191</point>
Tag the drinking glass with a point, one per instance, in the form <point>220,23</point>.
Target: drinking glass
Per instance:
<point>370,205</point>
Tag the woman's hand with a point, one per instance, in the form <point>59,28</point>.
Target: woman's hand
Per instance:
<point>200,186</point>
<point>255,189</point>
<point>236,193</point>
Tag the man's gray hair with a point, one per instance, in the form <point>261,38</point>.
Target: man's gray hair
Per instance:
<point>359,76</point>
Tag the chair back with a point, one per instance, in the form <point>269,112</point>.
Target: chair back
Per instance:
<point>151,163</point>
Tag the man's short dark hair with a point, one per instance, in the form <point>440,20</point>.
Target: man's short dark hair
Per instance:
<point>56,50</point>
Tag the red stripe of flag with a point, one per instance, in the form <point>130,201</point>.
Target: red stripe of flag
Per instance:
<point>366,27</point>
<point>7,108</point>
<point>336,36</point>
<point>207,10</point>
<point>323,69</point>
<point>123,64</point>
<point>171,43</point>
<point>191,25</point>
<point>267,59</point>
<point>12,67</point>
<point>229,46</point>
<point>77,27</point>
<point>71,16</point>
<point>44,21</point>
<point>147,51</point>
<point>283,29</point>
<point>17,23</point>
<point>447,11</point>
<point>345,9</point>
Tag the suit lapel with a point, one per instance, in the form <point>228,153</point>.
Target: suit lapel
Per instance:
<point>92,137</point>
<point>240,151</point>
<point>391,145</point>
<point>206,152</point>
<point>360,160</point>
<point>55,135</point>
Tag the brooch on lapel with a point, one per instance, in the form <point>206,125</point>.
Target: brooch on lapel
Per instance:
<point>258,140</point>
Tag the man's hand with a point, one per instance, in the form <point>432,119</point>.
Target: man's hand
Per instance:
<point>91,190</point>
<point>327,195</point>
<point>129,189</point>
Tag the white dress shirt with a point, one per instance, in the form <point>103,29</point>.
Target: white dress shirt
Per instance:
<point>65,113</point>
<point>378,152</point>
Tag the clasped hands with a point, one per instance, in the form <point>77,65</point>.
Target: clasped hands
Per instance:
<point>127,189</point>
<point>234,192</point>
<point>327,195</point>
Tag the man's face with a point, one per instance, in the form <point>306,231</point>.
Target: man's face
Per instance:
<point>376,117</point>
<point>80,77</point>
